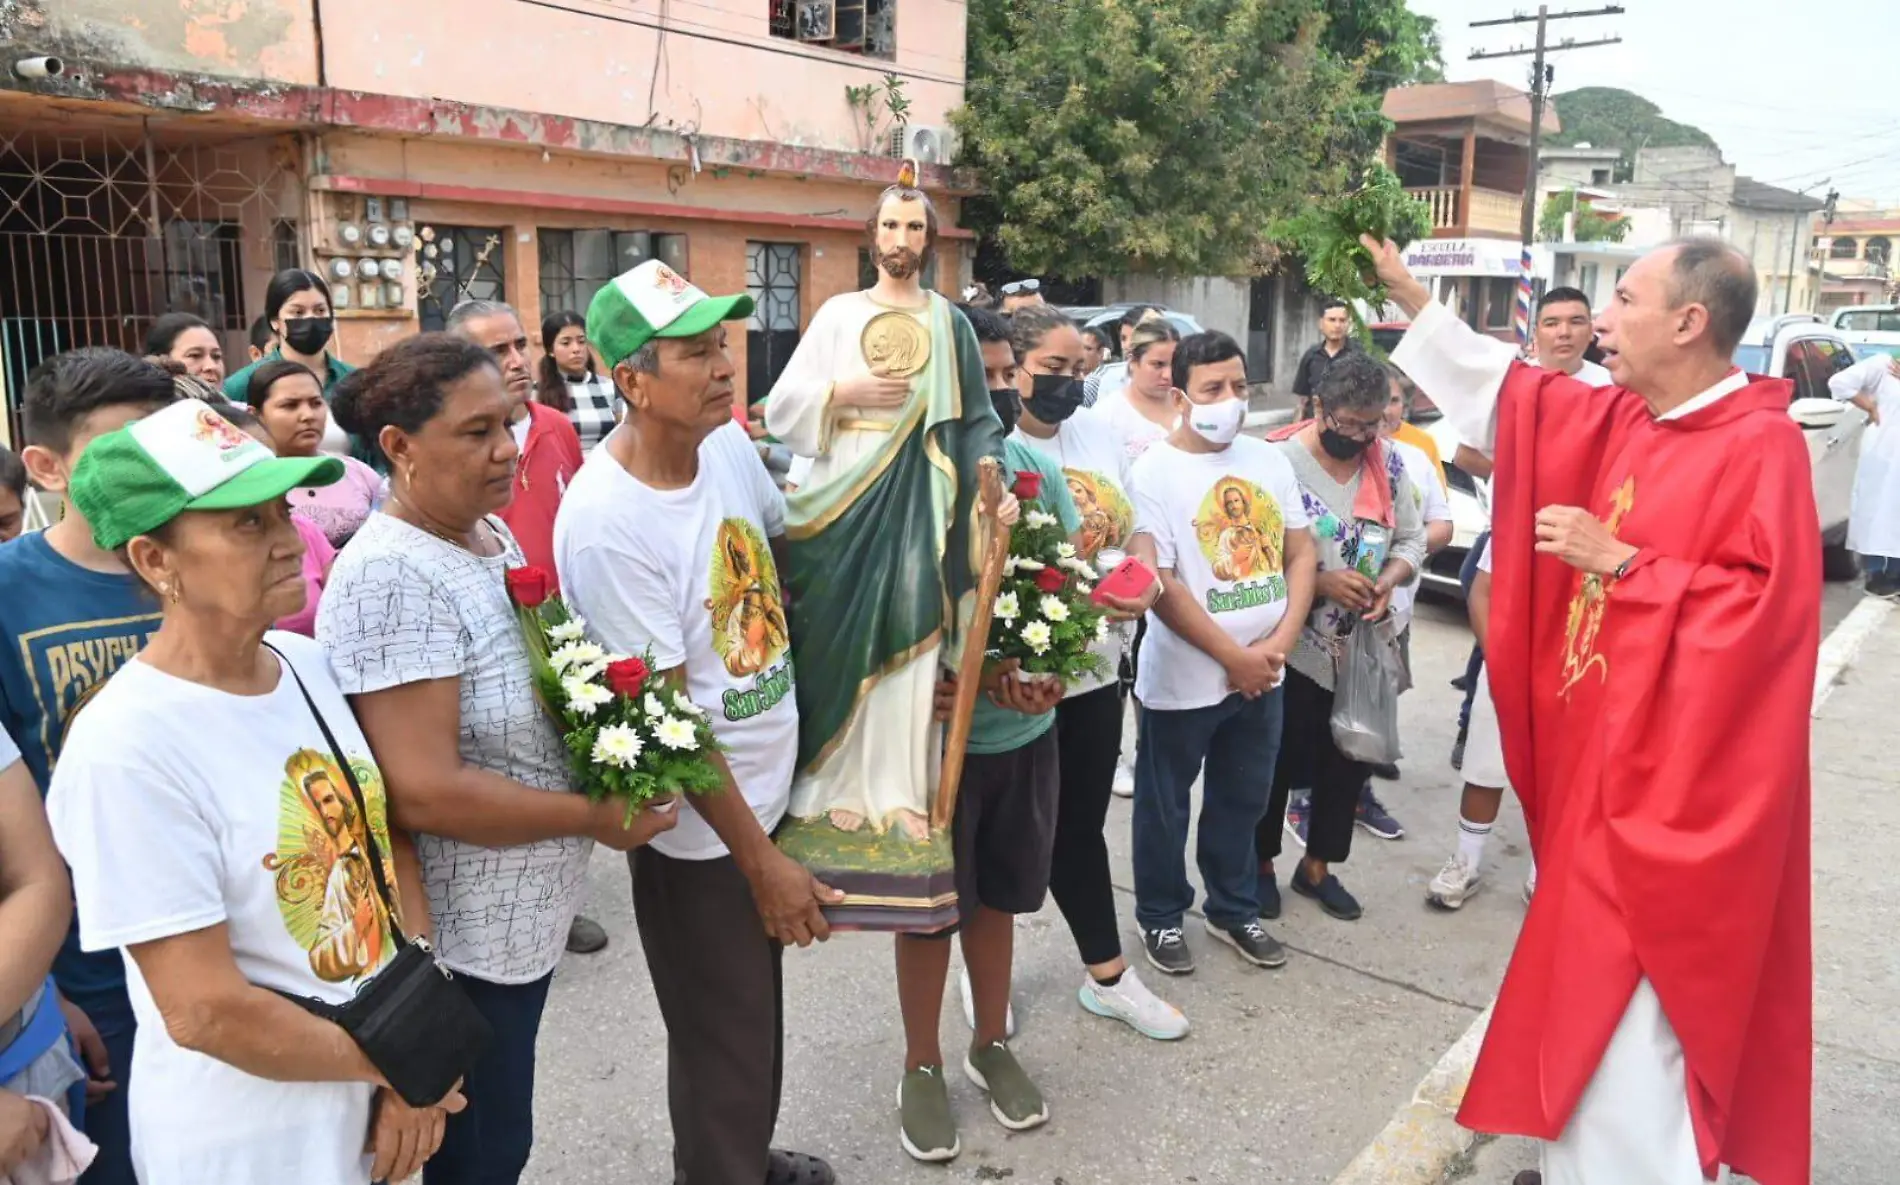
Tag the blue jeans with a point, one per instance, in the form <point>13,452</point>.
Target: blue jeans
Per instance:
<point>488,1143</point>
<point>107,1122</point>
<point>1236,742</point>
<point>1880,565</point>
<point>1474,666</point>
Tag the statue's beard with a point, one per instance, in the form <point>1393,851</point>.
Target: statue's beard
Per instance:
<point>901,263</point>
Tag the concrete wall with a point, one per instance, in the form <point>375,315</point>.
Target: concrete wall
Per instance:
<point>274,39</point>
<point>1217,302</point>
<point>1767,236</point>
<point>1694,183</point>
<point>714,70</point>
<point>1226,303</point>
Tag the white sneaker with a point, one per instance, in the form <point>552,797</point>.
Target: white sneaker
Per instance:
<point>969,1007</point>
<point>1124,784</point>
<point>1455,882</point>
<point>1130,1002</point>
<point>1530,885</point>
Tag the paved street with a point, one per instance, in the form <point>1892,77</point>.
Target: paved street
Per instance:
<point>1287,1074</point>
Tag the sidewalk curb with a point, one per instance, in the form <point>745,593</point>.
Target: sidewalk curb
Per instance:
<point>1423,1138</point>
<point>1841,648</point>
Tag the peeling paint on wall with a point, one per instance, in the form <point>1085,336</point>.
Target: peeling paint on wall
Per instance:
<point>240,38</point>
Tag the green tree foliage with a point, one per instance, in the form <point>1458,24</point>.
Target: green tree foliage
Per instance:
<point>1393,46</point>
<point>1151,135</point>
<point>1591,226</point>
<point>1607,117</point>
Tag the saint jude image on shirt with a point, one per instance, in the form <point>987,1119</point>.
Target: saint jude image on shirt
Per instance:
<point>1107,518</point>
<point>748,615</point>
<point>1240,531</point>
<point>326,890</point>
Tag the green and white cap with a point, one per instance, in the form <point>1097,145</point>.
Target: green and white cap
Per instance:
<point>186,457</point>
<point>653,301</point>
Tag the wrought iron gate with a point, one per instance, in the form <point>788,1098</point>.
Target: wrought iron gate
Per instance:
<point>104,229</point>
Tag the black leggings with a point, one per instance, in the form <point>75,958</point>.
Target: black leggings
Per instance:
<point>1088,739</point>
<point>1309,756</point>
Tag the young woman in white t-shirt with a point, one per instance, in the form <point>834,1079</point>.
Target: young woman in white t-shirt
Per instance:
<point>216,837</point>
<point>1040,356</point>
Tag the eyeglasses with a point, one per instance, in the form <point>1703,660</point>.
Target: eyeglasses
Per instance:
<point>1356,427</point>
<point>1020,287</point>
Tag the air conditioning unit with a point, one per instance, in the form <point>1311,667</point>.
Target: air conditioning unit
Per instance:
<point>929,146</point>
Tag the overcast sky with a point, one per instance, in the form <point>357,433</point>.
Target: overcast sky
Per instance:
<point>1794,92</point>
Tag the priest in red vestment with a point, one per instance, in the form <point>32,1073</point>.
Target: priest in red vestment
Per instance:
<point>1653,637</point>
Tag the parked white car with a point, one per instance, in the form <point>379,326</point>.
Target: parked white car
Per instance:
<point>1869,325</point>
<point>1799,348</point>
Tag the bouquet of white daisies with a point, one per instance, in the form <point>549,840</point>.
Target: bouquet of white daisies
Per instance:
<point>1043,617</point>
<point>629,736</point>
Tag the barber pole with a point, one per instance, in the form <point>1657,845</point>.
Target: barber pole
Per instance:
<point>1522,319</point>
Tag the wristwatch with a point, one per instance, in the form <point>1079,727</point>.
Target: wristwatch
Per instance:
<point>1623,568</point>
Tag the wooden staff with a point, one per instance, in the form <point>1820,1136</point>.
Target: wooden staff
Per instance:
<point>976,638</point>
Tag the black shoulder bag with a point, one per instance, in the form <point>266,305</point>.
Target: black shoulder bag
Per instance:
<point>411,1019</point>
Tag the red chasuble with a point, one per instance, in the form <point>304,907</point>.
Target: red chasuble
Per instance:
<point>1656,729</point>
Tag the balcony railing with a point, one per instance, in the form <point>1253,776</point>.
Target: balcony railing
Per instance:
<point>1491,210</point>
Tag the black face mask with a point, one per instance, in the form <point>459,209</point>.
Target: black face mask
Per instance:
<point>1054,397</point>
<point>1007,406</point>
<point>1341,447</point>
<point>308,335</point>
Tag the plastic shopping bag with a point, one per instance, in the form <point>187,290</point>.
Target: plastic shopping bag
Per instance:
<point>1367,677</point>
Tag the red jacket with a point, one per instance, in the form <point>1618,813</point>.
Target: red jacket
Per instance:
<point>548,462</point>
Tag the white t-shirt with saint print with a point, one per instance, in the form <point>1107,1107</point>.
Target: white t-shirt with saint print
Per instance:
<point>403,606</point>
<point>1219,520</point>
<point>1090,450</point>
<point>180,807</point>
<point>689,575</point>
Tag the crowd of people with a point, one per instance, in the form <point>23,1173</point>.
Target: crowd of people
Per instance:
<point>312,555</point>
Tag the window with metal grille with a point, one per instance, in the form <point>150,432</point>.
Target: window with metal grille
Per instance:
<point>575,264</point>
<point>867,27</point>
<point>458,263</point>
<point>774,278</point>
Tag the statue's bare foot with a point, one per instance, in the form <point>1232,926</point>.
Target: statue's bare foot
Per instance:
<point>915,825</point>
<point>846,820</point>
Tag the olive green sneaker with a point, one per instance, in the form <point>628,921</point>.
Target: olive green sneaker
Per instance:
<point>928,1129</point>
<point>1014,1099</point>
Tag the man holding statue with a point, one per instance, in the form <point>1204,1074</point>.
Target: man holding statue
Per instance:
<point>887,551</point>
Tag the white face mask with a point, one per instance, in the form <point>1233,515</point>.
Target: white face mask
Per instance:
<point>1217,423</point>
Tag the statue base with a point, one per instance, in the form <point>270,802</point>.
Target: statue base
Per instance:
<point>892,883</point>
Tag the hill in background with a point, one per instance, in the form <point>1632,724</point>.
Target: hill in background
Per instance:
<point>1608,117</point>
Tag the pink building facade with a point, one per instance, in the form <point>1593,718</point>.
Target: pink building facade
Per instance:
<point>418,154</point>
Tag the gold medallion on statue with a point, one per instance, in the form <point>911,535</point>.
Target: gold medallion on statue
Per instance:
<point>895,345</point>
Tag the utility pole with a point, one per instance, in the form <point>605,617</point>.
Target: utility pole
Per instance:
<point>1541,77</point>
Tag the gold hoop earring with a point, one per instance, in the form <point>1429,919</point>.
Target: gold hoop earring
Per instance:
<point>169,592</point>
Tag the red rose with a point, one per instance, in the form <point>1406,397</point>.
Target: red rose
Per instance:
<point>529,586</point>
<point>1051,580</point>
<point>1028,486</point>
<point>627,677</point>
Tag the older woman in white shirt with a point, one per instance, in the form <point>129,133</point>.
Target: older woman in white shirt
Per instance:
<point>231,865</point>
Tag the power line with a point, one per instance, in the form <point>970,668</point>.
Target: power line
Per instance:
<point>1541,77</point>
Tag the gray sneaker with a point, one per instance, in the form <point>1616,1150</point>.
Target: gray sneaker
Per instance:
<point>1014,1099</point>
<point>1167,949</point>
<point>1252,941</point>
<point>927,1128</point>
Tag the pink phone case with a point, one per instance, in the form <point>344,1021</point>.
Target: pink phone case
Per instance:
<point>1128,582</point>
